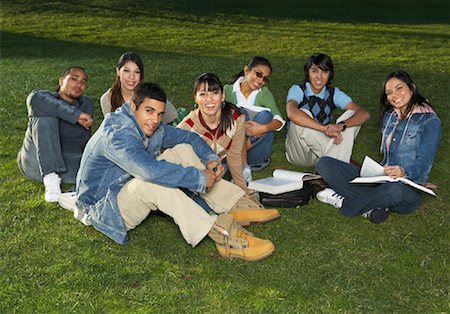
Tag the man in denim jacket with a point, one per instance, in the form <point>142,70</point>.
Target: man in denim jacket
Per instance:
<point>123,176</point>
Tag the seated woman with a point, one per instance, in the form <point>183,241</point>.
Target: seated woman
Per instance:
<point>410,131</point>
<point>129,73</point>
<point>249,93</point>
<point>219,123</point>
<point>311,132</point>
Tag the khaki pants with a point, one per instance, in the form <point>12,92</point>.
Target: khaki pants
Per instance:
<point>137,198</point>
<point>304,145</point>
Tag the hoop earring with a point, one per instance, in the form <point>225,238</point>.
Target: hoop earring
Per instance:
<point>223,104</point>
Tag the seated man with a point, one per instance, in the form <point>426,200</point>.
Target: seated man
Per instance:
<point>123,177</point>
<point>311,132</point>
<point>59,126</point>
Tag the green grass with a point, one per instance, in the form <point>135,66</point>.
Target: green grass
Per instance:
<point>324,262</point>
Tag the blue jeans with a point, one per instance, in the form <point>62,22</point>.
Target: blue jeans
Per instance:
<point>359,198</point>
<point>41,152</point>
<point>261,146</point>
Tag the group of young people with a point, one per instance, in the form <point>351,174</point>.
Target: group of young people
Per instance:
<point>137,162</point>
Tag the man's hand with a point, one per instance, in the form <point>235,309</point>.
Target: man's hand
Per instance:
<point>210,178</point>
<point>85,120</point>
<point>394,171</point>
<point>253,128</point>
<point>217,168</point>
<point>334,131</point>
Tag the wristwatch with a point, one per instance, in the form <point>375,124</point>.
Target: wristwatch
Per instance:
<point>344,125</point>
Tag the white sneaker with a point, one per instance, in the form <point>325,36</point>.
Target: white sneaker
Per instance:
<point>68,201</point>
<point>78,214</point>
<point>52,183</point>
<point>329,196</point>
<point>247,172</point>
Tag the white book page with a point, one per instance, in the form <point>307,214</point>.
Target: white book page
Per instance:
<point>417,186</point>
<point>373,172</point>
<point>370,168</point>
<point>294,175</point>
<point>275,185</point>
<point>289,175</point>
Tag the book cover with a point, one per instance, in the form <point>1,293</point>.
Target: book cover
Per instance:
<point>373,172</point>
<point>282,181</point>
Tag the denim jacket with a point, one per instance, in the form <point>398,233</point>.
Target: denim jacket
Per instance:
<point>120,151</point>
<point>413,144</point>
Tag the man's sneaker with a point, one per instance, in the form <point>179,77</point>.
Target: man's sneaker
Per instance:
<point>233,241</point>
<point>245,217</point>
<point>329,196</point>
<point>68,200</point>
<point>80,215</point>
<point>52,183</point>
<point>377,215</point>
<point>247,173</point>
<point>260,166</point>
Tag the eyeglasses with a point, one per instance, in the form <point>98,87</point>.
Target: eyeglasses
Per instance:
<point>260,75</point>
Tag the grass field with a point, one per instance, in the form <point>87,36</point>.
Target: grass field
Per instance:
<point>324,262</point>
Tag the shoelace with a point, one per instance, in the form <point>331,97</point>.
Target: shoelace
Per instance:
<point>367,213</point>
<point>335,200</point>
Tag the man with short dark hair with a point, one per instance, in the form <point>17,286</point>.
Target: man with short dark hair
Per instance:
<point>59,126</point>
<point>133,164</point>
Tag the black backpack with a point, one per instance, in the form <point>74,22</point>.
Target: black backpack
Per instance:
<point>313,100</point>
<point>292,199</point>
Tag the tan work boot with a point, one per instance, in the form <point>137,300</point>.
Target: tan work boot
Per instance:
<point>233,241</point>
<point>248,210</point>
<point>245,217</point>
<point>247,201</point>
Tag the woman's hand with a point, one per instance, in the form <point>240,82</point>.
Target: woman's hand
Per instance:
<point>394,171</point>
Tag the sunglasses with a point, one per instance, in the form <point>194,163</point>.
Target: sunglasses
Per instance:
<point>260,75</point>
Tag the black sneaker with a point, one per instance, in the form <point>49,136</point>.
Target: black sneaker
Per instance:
<point>377,215</point>
<point>260,166</point>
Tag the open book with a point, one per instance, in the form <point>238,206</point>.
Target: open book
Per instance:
<point>373,172</point>
<point>282,181</point>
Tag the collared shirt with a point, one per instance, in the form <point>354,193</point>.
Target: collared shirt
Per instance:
<point>258,100</point>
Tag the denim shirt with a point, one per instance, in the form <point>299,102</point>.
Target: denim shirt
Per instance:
<point>119,151</point>
<point>413,144</point>
<point>73,135</point>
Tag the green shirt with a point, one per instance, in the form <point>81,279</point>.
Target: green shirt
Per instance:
<point>263,99</point>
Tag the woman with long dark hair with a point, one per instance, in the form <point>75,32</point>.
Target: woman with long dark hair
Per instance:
<point>410,131</point>
<point>129,73</point>
<point>250,94</point>
<point>219,123</point>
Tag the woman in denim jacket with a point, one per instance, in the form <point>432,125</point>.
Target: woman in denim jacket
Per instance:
<point>410,136</point>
